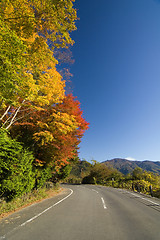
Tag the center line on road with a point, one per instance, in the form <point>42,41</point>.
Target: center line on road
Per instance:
<point>104,205</point>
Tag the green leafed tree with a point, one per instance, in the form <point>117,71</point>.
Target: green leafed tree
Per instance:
<point>137,173</point>
<point>16,169</point>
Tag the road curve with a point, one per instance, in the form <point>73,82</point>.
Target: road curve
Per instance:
<point>87,212</point>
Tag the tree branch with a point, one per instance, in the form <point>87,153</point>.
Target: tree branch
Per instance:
<point>5,113</point>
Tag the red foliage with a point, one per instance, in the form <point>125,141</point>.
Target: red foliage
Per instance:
<point>63,147</point>
<point>71,106</point>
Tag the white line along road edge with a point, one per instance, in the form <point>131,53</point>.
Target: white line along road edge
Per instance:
<point>31,219</point>
<point>94,190</point>
<point>104,205</point>
<point>156,204</point>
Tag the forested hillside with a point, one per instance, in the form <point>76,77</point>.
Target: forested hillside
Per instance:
<point>125,166</point>
<point>99,173</point>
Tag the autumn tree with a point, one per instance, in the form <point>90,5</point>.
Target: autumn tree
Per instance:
<point>53,134</point>
<point>33,104</point>
<point>29,33</point>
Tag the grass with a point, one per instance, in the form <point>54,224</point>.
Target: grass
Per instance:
<point>7,208</point>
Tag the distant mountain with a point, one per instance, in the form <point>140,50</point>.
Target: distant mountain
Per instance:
<point>125,166</point>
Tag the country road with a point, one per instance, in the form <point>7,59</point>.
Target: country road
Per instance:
<point>86,212</point>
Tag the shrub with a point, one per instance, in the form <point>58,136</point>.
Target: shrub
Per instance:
<point>16,172</point>
<point>43,174</point>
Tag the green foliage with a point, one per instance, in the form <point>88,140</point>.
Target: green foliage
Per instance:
<point>65,171</point>
<point>27,199</point>
<point>47,172</point>
<point>33,104</point>
<point>72,179</point>
<point>12,63</point>
<point>42,175</point>
<point>137,173</point>
<point>61,173</point>
<point>16,171</point>
<point>138,180</point>
<point>100,174</point>
<point>80,169</point>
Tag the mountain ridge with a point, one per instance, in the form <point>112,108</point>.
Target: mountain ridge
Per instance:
<point>126,166</point>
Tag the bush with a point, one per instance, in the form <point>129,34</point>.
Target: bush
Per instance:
<point>43,174</point>
<point>73,180</point>
<point>16,172</point>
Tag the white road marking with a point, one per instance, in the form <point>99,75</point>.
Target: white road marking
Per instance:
<point>94,190</point>
<point>31,219</point>
<point>145,199</point>
<point>104,205</point>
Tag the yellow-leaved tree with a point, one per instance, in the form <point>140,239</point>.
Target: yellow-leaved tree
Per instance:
<point>29,33</point>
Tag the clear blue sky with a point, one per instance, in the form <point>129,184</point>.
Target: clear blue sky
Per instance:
<point>116,77</point>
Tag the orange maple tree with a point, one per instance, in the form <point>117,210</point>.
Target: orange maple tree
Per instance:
<point>54,133</point>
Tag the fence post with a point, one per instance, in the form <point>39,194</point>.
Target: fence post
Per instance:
<point>112,182</point>
<point>151,191</point>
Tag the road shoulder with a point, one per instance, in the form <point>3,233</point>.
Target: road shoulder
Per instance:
<point>16,218</point>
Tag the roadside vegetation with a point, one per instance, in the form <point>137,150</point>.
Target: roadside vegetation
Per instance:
<point>41,124</point>
<point>138,180</point>
<point>8,207</point>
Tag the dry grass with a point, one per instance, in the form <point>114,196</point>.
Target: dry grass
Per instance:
<point>7,208</point>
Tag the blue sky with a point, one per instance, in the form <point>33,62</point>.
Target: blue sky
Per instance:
<point>116,77</point>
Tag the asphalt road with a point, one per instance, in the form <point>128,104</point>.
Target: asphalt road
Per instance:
<point>86,212</point>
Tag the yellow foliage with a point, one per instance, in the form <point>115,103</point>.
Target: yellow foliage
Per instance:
<point>43,137</point>
<point>42,125</point>
<point>51,87</point>
<point>29,66</point>
<point>64,122</point>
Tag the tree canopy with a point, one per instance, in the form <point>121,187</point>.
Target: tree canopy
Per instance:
<point>29,33</point>
<point>43,122</point>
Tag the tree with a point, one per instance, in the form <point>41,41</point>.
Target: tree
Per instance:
<point>80,168</point>
<point>12,63</point>
<point>52,19</point>
<point>16,169</point>
<point>137,173</point>
<point>53,134</point>
<point>32,30</point>
<point>99,173</point>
